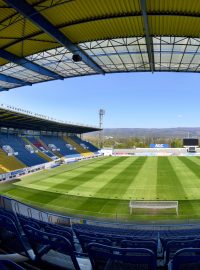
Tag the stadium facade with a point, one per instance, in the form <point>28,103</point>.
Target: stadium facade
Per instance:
<point>30,142</point>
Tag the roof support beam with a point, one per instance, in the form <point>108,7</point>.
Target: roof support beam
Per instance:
<point>28,64</point>
<point>10,79</point>
<point>32,14</point>
<point>149,40</point>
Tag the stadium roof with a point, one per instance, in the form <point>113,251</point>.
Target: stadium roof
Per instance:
<point>39,37</point>
<point>12,117</point>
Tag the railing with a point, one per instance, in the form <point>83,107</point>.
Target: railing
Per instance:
<point>38,214</point>
<point>41,116</point>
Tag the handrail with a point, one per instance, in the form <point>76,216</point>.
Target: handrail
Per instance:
<point>41,116</point>
<point>24,209</point>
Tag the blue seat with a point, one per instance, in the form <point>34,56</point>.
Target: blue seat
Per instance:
<point>166,240</point>
<point>115,239</point>
<point>173,246</point>
<point>43,242</point>
<point>85,240</point>
<point>28,221</point>
<point>9,265</point>
<point>10,231</point>
<point>187,258</point>
<point>140,244</point>
<point>107,257</point>
<point>61,231</point>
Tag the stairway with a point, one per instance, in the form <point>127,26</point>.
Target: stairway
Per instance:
<point>56,153</point>
<point>39,153</point>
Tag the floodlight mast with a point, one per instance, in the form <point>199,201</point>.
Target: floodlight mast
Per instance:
<point>101,115</point>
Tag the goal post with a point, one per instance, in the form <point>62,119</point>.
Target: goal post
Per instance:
<point>153,205</point>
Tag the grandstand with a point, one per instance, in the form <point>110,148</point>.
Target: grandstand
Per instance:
<point>22,149</point>
<point>45,40</point>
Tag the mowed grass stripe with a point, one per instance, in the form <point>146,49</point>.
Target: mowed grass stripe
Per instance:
<point>118,186</point>
<point>144,184</point>
<point>91,187</point>
<point>73,182</point>
<point>114,189</point>
<point>188,179</point>
<point>70,204</point>
<point>117,207</point>
<point>31,195</point>
<point>195,159</point>
<point>51,183</point>
<point>63,169</point>
<point>195,168</point>
<point>169,186</point>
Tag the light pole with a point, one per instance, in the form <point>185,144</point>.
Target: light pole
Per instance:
<point>101,115</point>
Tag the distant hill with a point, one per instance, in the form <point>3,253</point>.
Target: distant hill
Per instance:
<point>179,132</point>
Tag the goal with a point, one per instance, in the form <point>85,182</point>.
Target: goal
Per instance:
<point>153,205</point>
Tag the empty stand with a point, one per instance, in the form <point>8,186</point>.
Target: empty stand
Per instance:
<point>9,163</point>
<point>52,153</point>
<point>39,153</point>
<point>107,257</point>
<point>50,245</point>
<point>89,146</point>
<point>84,152</point>
<point>187,258</point>
<point>43,242</point>
<point>23,154</point>
<point>61,144</point>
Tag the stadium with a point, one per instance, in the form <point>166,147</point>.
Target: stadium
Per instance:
<point>64,202</point>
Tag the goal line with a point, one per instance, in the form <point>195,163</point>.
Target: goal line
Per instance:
<point>153,205</point>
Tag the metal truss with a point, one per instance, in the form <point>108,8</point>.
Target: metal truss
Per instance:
<point>25,9</point>
<point>22,73</point>
<point>60,61</point>
<point>177,54</point>
<point>118,55</point>
<point>28,64</point>
<point>41,6</point>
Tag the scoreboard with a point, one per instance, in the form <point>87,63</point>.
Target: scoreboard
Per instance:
<point>190,142</point>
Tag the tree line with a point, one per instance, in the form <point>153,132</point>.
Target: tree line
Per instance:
<point>134,142</point>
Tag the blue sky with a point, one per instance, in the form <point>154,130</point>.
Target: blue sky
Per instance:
<point>130,99</point>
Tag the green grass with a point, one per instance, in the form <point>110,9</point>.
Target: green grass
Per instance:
<point>103,187</point>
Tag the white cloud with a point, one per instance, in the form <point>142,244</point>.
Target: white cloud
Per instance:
<point>180,116</point>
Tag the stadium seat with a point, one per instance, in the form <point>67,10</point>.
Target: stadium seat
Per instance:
<point>55,250</point>
<point>164,241</point>
<point>61,144</point>
<point>173,246</point>
<point>62,232</point>
<point>85,240</point>
<point>9,265</point>
<point>12,238</point>
<point>107,257</point>
<point>115,239</point>
<point>140,244</point>
<point>89,146</point>
<point>187,258</point>
<point>28,221</point>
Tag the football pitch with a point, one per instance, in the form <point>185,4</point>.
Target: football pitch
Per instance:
<point>103,187</point>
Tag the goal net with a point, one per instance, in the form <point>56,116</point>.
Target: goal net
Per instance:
<point>153,205</point>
